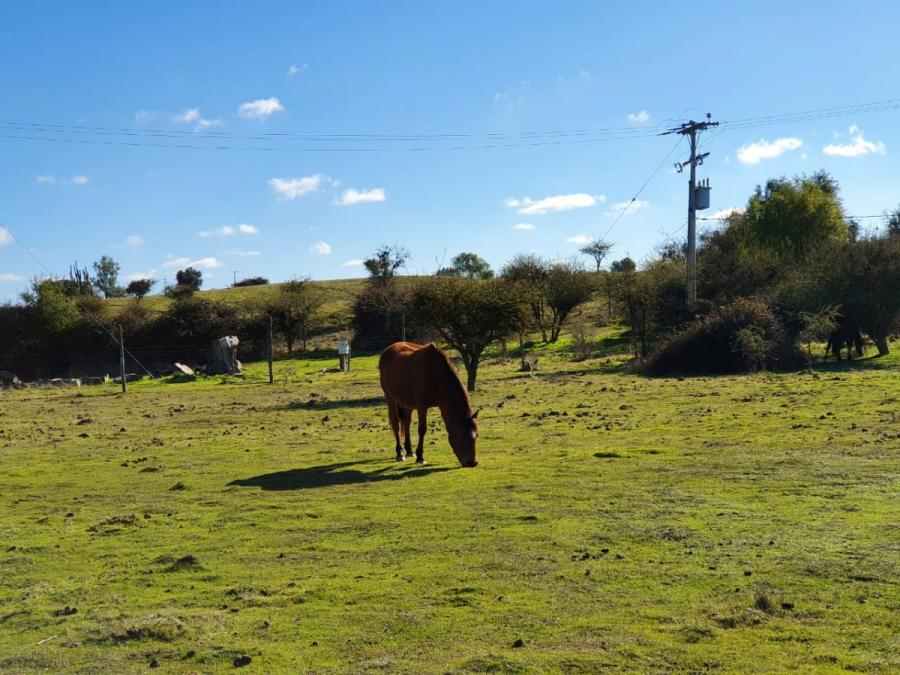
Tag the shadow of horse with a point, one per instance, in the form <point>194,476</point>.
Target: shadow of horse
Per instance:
<point>327,404</point>
<point>340,473</point>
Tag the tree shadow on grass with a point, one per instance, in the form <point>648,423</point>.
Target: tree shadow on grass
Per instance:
<point>340,473</point>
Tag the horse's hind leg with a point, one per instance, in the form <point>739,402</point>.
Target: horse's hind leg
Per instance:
<point>423,427</point>
<point>406,421</point>
<point>394,415</point>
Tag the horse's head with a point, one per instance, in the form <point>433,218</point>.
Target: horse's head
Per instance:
<point>462,440</point>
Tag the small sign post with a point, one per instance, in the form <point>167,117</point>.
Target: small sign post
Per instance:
<point>344,355</point>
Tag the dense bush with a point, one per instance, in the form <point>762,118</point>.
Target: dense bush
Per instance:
<point>251,281</point>
<point>741,337</point>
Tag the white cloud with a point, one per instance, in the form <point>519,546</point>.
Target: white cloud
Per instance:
<point>131,241</point>
<point>857,147</point>
<point>229,230</point>
<point>5,237</point>
<point>202,263</point>
<point>224,231</point>
<point>203,124</point>
<point>78,180</point>
<point>353,263</point>
<point>726,213</point>
<point>353,196</point>
<point>580,239</point>
<point>754,153</point>
<point>261,108</point>
<point>140,275</point>
<point>9,276</point>
<point>530,207</point>
<point>193,116</point>
<point>143,116</point>
<point>291,188</point>
<point>525,227</point>
<point>321,248</point>
<point>641,117</point>
<point>294,69</point>
<point>630,206</point>
<point>187,116</point>
<point>243,254</point>
<point>584,74</point>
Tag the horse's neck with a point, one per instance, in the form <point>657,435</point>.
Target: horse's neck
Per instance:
<point>454,402</point>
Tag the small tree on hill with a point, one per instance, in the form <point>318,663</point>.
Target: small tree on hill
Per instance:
<point>295,311</point>
<point>139,287</point>
<point>469,315</point>
<point>190,277</point>
<point>567,287</point>
<point>529,273</point>
<point>471,266</point>
<point>597,250</point>
<point>385,263</point>
<point>106,277</point>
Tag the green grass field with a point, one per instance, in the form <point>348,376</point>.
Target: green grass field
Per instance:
<point>614,523</point>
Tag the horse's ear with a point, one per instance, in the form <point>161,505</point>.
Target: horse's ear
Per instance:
<point>475,414</point>
<point>432,346</point>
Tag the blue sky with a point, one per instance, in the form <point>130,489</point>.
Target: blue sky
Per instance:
<point>245,71</point>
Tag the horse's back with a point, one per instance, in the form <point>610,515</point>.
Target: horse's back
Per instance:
<point>404,373</point>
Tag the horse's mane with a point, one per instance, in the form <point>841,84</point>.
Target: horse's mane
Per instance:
<point>451,382</point>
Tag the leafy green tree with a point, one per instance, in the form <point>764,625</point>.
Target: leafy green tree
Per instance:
<point>190,277</point>
<point>793,217</point>
<point>597,250</point>
<point>139,287</point>
<point>471,266</point>
<point>469,314</point>
<point>566,288</point>
<point>295,311</point>
<point>51,306</point>
<point>106,277</point>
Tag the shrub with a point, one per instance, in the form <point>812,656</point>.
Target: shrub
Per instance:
<point>251,281</point>
<point>179,291</point>
<point>741,337</point>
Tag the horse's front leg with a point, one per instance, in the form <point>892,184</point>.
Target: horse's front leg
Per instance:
<point>423,427</point>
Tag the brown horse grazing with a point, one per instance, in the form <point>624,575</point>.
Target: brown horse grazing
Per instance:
<point>419,377</point>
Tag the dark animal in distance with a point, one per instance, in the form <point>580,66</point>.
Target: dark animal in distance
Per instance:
<point>419,377</point>
<point>846,333</point>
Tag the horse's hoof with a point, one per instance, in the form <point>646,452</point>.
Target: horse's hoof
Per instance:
<point>399,458</point>
<point>420,461</point>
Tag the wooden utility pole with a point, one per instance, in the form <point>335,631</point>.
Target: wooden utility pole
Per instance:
<point>271,349</point>
<point>691,129</point>
<point>122,360</point>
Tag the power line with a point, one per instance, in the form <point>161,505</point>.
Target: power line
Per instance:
<point>87,314</point>
<point>641,189</point>
<point>386,142</point>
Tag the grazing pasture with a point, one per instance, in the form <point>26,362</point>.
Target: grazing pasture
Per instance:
<point>613,522</point>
